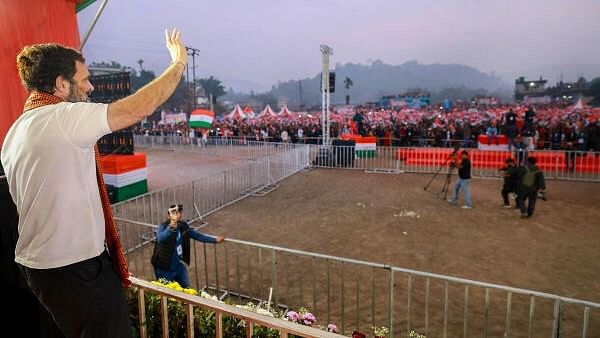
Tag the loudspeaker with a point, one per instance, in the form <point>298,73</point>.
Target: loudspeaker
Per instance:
<point>107,89</point>
<point>120,142</point>
<point>110,87</point>
<point>332,82</point>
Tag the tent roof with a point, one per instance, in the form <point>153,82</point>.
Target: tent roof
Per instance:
<point>285,112</point>
<point>579,104</point>
<point>267,112</point>
<point>236,113</point>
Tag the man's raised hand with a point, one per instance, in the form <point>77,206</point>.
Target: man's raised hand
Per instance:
<point>175,46</point>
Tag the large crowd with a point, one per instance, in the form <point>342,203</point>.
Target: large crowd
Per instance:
<point>548,126</point>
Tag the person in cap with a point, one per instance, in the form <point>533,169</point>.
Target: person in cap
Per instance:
<point>171,256</point>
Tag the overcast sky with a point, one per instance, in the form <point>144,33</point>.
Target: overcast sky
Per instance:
<point>255,43</point>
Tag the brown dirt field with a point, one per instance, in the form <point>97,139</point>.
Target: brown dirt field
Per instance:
<point>167,168</point>
<point>556,251</point>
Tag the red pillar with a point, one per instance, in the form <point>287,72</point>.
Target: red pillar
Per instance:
<point>26,22</point>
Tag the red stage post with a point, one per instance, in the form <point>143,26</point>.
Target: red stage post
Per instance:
<point>22,23</point>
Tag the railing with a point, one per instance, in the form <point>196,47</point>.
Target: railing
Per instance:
<point>562,165</point>
<point>556,164</point>
<point>405,141</point>
<point>351,293</point>
<point>284,328</point>
<point>215,191</point>
<point>223,147</point>
<point>356,294</point>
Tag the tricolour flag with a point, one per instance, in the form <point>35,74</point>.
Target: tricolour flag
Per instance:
<point>201,118</point>
<point>365,147</point>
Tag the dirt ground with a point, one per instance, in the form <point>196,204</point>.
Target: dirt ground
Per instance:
<point>167,168</point>
<point>390,219</point>
<point>556,251</point>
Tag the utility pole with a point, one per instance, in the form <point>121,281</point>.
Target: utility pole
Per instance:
<point>187,83</point>
<point>326,51</point>
<point>193,52</point>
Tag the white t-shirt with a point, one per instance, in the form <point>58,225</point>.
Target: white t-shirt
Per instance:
<point>48,157</point>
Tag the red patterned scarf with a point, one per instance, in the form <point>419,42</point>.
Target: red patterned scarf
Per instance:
<point>39,99</point>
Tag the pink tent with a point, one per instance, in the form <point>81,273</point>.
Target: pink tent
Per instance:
<point>236,114</point>
<point>266,113</point>
<point>579,104</point>
<point>285,113</point>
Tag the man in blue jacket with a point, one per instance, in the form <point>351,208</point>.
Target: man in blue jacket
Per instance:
<point>171,256</point>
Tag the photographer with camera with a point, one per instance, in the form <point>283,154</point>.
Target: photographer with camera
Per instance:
<point>171,256</point>
<point>531,183</point>
<point>464,180</point>
<point>511,177</point>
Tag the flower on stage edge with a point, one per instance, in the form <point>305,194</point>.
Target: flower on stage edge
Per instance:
<point>380,331</point>
<point>174,286</point>
<point>332,328</point>
<point>293,316</point>
<point>308,318</point>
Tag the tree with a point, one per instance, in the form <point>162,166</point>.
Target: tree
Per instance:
<point>138,80</point>
<point>212,86</point>
<point>348,83</point>
<point>181,99</point>
<point>265,99</point>
<point>595,88</point>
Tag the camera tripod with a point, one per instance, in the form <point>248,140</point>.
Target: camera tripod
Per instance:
<point>443,194</point>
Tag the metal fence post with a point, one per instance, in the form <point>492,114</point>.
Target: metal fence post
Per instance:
<point>391,303</point>
<point>556,321</point>
<point>508,314</point>
<point>274,275</point>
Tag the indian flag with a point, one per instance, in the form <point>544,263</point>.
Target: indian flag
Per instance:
<point>201,118</point>
<point>365,146</point>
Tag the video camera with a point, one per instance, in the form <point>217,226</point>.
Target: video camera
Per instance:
<point>542,195</point>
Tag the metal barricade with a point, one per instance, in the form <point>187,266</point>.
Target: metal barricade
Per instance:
<point>356,294</point>
<point>215,191</point>
<point>560,165</point>
<point>215,146</point>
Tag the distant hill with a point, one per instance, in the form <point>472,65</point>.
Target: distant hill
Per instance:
<point>378,79</point>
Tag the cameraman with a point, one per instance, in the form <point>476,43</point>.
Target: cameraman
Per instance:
<point>511,178</point>
<point>171,256</point>
<point>531,180</point>
<point>464,180</point>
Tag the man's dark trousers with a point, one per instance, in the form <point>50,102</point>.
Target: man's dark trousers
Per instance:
<point>86,298</point>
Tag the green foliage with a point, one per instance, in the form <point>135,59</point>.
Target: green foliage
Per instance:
<point>204,320</point>
<point>138,80</point>
<point>266,99</point>
<point>595,87</point>
<point>213,86</point>
<point>181,98</point>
